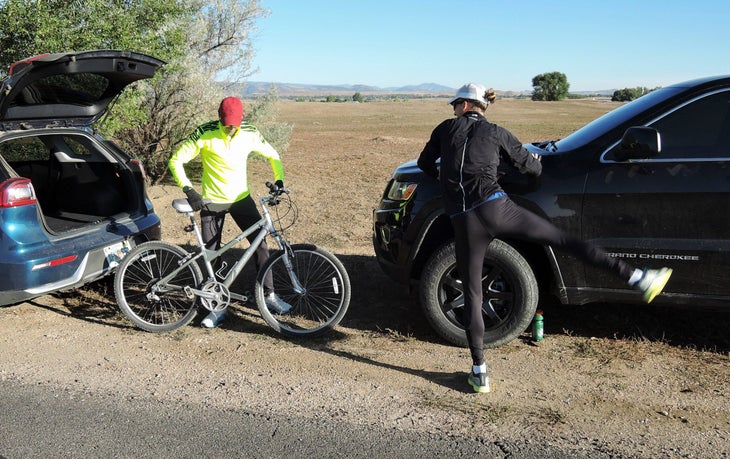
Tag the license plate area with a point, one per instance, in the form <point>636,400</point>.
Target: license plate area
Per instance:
<point>115,252</point>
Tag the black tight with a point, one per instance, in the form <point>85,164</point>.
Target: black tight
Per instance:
<point>475,229</point>
<point>244,213</point>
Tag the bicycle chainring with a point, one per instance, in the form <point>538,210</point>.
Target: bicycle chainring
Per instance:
<point>221,299</point>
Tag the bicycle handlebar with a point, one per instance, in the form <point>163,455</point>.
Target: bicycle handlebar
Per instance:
<point>276,190</point>
<point>183,205</point>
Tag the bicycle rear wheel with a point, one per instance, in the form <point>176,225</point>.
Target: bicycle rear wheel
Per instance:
<point>146,304</point>
<point>323,299</point>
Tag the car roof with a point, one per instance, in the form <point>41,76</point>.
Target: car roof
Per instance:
<point>69,88</point>
<point>705,81</point>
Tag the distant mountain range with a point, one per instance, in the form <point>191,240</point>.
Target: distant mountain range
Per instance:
<point>256,88</point>
<point>253,88</point>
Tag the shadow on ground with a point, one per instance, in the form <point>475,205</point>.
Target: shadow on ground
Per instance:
<point>381,305</point>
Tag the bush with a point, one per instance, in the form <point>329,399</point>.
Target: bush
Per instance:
<point>628,94</point>
<point>263,114</point>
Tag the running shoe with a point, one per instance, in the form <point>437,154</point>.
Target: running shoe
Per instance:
<point>479,382</point>
<point>276,304</point>
<point>213,319</point>
<point>653,281</point>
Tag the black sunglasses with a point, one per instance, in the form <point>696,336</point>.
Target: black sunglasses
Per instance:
<point>457,102</point>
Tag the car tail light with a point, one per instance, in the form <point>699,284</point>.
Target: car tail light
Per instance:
<point>16,192</point>
<point>16,66</point>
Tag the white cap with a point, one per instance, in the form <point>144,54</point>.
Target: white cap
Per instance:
<point>471,91</point>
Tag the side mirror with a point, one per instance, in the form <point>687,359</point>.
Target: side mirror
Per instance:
<point>639,142</point>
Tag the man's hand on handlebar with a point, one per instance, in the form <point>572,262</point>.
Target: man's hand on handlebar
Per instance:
<point>276,188</point>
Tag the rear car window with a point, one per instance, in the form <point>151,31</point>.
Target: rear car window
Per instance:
<point>64,148</point>
<point>24,149</point>
<point>72,89</point>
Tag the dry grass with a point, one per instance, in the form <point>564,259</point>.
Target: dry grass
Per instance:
<point>342,154</point>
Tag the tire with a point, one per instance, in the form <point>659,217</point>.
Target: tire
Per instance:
<point>326,295</point>
<point>512,293</point>
<point>140,268</point>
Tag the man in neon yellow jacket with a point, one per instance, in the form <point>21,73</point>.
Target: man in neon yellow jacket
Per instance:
<point>224,147</point>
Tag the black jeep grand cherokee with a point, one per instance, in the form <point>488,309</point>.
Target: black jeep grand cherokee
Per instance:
<point>647,182</point>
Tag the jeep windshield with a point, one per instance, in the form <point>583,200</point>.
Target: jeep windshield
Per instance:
<point>613,119</point>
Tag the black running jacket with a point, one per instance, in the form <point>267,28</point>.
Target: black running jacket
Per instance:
<point>470,148</point>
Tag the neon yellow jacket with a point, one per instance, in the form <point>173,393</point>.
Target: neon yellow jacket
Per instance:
<point>224,160</point>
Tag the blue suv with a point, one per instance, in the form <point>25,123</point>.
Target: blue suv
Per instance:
<point>71,202</point>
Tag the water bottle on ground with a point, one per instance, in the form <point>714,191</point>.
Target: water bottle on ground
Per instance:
<point>537,326</point>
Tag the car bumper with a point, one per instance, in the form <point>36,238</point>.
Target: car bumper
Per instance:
<point>68,264</point>
<point>387,244</point>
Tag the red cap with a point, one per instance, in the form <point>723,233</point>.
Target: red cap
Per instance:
<point>231,111</point>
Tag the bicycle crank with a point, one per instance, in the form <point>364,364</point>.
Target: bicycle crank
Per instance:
<point>214,296</point>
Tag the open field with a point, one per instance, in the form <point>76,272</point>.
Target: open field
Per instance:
<point>342,154</point>
<point>608,380</point>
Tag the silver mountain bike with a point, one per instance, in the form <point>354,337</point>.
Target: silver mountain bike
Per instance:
<point>160,286</point>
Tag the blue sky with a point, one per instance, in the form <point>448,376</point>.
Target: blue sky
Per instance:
<point>502,44</point>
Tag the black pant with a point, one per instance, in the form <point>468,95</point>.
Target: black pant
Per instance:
<point>244,213</point>
<point>475,229</point>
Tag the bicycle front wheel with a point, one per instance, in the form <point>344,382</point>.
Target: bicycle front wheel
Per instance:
<point>146,303</point>
<point>317,289</point>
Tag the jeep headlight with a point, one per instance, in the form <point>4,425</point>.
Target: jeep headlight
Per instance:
<point>401,191</point>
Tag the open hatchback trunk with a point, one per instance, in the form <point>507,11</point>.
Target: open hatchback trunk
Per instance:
<point>47,104</point>
<point>72,203</point>
<point>76,181</point>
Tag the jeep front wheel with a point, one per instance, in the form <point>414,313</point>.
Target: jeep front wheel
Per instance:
<point>509,289</point>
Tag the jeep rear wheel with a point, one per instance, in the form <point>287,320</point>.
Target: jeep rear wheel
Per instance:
<point>509,288</point>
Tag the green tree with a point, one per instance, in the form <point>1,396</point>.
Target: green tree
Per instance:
<point>357,97</point>
<point>206,44</point>
<point>31,27</point>
<point>550,86</point>
<point>628,94</point>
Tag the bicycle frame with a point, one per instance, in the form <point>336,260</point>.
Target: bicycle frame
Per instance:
<point>264,226</point>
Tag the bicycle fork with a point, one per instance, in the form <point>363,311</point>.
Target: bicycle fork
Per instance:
<point>296,285</point>
<point>288,253</point>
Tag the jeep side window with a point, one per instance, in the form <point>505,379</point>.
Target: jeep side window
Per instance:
<point>697,130</point>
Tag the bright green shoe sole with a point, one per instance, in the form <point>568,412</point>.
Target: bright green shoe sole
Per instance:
<point>657,285</point>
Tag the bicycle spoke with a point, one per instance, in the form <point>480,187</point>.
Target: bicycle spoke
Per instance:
<point>326,293</point>
<point>147,304</point>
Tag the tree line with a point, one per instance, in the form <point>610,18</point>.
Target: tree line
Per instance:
<point>554,86</point>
